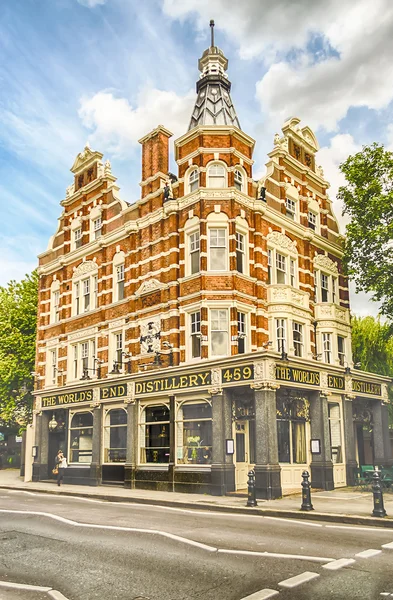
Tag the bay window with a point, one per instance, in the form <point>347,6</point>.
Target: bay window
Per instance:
<point>193,180</point>
<point>216,176</point>
<point>281,335</point>
<point>115,436</point>
<point>195,319</point>
<point>218,249</point>
<point>219,332</point>
<point>297,338</point>
<point>241,333</point>
<point>269,266</point>
<point>239,180</point>
<point>154,434</point>
<point>341,350</point>
<point>86,294</point>
<point>194,241</point>
<point>194,433</point>
<point>324,287</point>
<point>281,268</point>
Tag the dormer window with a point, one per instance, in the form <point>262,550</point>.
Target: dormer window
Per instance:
<point>97,228</point>
<point>216,176</point>
<point>312,220</point>
<point>239,180</point>
<point>193,180</point>
<point>290,206</point>
<point>78,238</point>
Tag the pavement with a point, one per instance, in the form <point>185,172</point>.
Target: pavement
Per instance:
<point>342,505</point>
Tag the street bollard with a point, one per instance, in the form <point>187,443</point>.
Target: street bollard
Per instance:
<point>306,492</point>
<point>379,509</point>
<point>251,496</point>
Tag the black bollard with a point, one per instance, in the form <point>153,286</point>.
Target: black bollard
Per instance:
<point>379,509</point>
<point>251,496</point>
<point>306,492</point>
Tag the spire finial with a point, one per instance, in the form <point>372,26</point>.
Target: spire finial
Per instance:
<point>212,32</point>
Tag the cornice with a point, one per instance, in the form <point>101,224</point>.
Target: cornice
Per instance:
<point>201,150</point>
<point>213,130</point>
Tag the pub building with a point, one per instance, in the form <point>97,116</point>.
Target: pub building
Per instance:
<point>203,329</point>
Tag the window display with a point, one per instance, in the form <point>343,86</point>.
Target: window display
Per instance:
<point>81,437</point>
<point>115,435</point>
<point>194,433</point>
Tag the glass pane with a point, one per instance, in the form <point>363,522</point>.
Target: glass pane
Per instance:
<point>81,445</point>
<point>299,442</point>
<point>218,259</point>
<point>117,417</point>
<point>157,413</point>
<point>219,343</point>
<point>195,262</point>
<point>197,442</point>
<point>283,441</point>
<point>197,411</point>
<point>196,346</point>
<point>240,447</point>
<point>82,419</point>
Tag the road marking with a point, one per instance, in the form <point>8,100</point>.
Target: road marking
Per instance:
<point>262,595</point>
<point>355,528</point>
<point>384,594</point>
<point>298,579</point>
<point>55,595</point>
<point>24,586</point>
<point>348,497</point>
<point>297,522</point>
<point>368,553</point>
<point>319,559</point>
<point>165,534</point>
<point>388,546</point>
<point>339,564</point>
<point>22,492</point>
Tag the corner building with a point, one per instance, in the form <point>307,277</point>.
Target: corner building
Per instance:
<point>203,329</point>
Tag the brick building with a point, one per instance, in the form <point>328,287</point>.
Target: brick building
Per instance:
<point>203,329</point>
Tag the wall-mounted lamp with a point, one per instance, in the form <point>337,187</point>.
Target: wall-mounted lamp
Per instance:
<point>119,363</point>
<point>52,423</point>
<point>266,345</point>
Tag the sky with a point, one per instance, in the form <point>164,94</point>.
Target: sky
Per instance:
<point>109,71</point>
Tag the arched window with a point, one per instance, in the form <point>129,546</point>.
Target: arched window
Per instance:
<point>239,180</point>
<point>81,437</point>
<point>216,176</point>
<point>115,435</point>
<point>194,433</point>
<point>193,180</point>
<point>154,434</point>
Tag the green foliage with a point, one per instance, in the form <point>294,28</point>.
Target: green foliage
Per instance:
<point>18,327</point>
<point>372,348</point>
<point>368,201</point>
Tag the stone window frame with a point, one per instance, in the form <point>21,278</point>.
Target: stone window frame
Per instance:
<point>107,410</point>
<point>187,179</point>
<point>243,183</point>
<point>81,274</point>
<point>51,367</point>
<point>85,409</point>
<point>279,243</point>
<point>119,259</point>
<point>218,220</point>
<point>54,307</point>
<point>219,305</point>
<point>242,228</point>
<point>95,214</point>
<point>191,227</point>
<point>142,405</point>
<point>323,265</point>
<point>209,167</point>
<point>72,357</point>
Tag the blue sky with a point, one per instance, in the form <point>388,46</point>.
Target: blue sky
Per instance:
<point>109,71</point>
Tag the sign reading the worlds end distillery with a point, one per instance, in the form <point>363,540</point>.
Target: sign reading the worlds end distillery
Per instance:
<point>171,384</point>
<point>67,398</point>
<point>295,375</point>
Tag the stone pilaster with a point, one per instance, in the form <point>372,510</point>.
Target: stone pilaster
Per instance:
<point>222,469</point>
<point>386,436</point>
<point>349,441</point>
<point>321,464</point>
<point>267,469</point>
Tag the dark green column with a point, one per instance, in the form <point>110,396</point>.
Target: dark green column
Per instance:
<point>222,469</point>
<point>386,436</point>
<point>380,431</point>
<point>41,466</point>
<point>131,455</point>
<point>349,441</point>
<point>95,466</point>
<point>267,469</point>
<point>321,464</point>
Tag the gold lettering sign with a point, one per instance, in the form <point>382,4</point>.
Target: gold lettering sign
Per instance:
<point>67,398</point>
<point>295,375</point>
<point>336,381</point>
<point>366,387</point>
<point>113,391</point>
<point>170,384</point>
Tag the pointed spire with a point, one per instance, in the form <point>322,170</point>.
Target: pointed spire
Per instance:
<point>213,105</point>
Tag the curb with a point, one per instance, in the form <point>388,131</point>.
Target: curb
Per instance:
<point>264,512</point>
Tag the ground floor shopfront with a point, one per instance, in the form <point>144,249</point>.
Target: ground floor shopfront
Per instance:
<point>202,429</point>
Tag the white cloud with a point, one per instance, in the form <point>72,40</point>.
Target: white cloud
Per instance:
<point>91,3</point>
<point>117,126</point>
<point>330,158</point>
<point>13,264</point>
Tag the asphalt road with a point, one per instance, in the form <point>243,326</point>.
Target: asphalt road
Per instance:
<point>88,549</point>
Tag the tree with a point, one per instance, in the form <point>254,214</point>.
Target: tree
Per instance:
<point>368,201</point>
<point>18,327</point>
<point>372,348</point>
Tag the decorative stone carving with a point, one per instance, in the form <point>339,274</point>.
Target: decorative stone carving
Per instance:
<point>70,190</point>
<point>150,336</point>
<point>282,241</point>
<point>82,333</point>
<point>320,172</point>
<point>385,395</point>
<point>151,285</point>
<point>107,168</point>
<point>277,139</point>
<point>116,324</point>
<point>216,377</point>
<point>215,391</point>
<point>324,262</point>
<point>323,380</point>
<point>259,371</point>
<point>130,392</point>
<point>85,267</point>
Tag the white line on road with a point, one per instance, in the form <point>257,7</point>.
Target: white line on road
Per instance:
<point>297,521</point>
<point>22,492</point>
<point>262,595</point>
<point>339,564</point>
<point>368,553</point>
<point>54,594</point>
<point>298,579</point>
<point>320,559</point>
<point>388,546</point>
<point>355,528</point>
<point>165,534</point>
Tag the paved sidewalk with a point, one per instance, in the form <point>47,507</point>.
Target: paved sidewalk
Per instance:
<point>343,505</point>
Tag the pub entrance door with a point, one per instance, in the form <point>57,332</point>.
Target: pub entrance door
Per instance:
<point>242,453</point>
